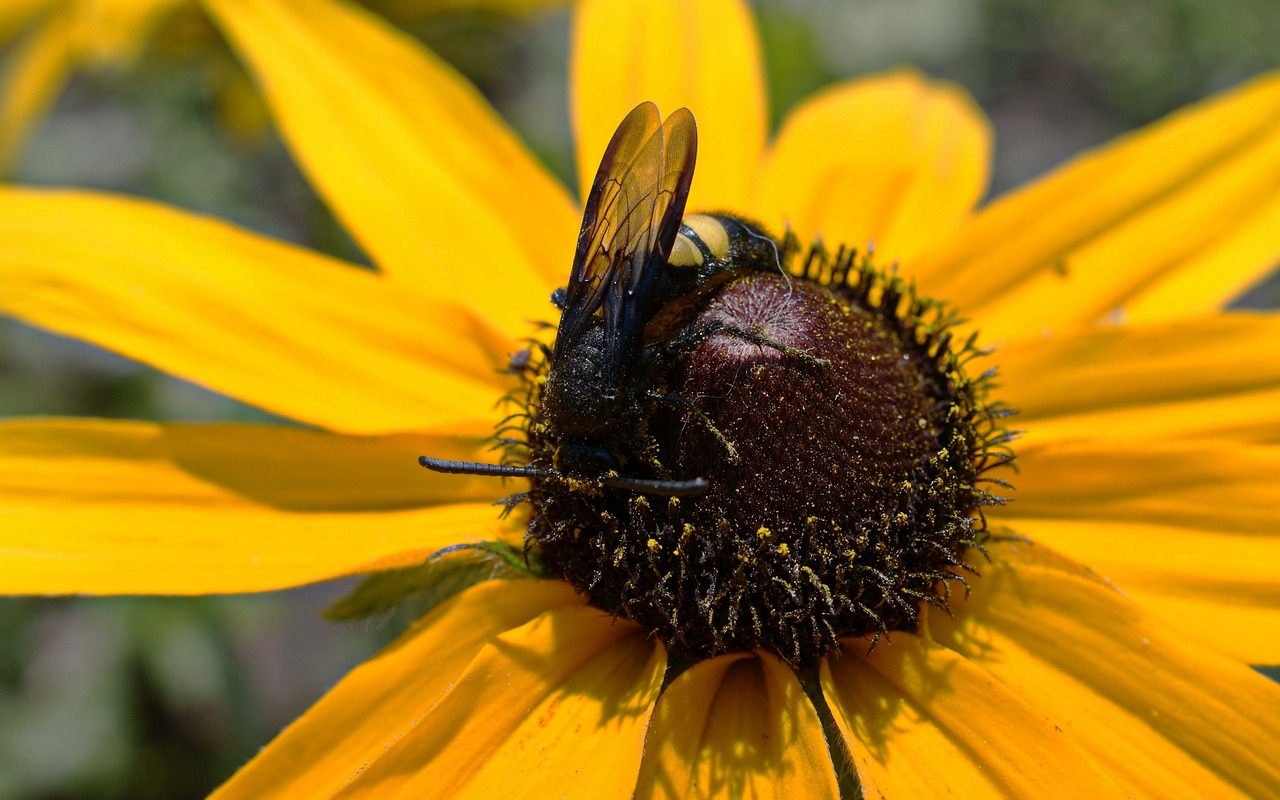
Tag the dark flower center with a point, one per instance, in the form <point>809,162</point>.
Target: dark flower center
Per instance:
<point>843,444</point>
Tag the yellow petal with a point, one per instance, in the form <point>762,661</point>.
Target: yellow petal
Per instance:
<point>424,174</point>
<point>1216,375</point>
<point>1207,486</point>
<point>1219,587</point>
<point>1197,523</point>
<point>34,74</point>
<point>355,722</point>
<point>291,469</point>
<point>1209,280</point>
<point>1167,716</point>
<point>1173,220</point>
<point>700,54</point>
<point>736,726</point>
<point>1238,625</point>
<point>557,707</point>
<point>409,11</point>
<point>275,326</point>
<point>128,508</point>
<point>1246,416</point>
<point>921,722</point>
<point>894,161</point>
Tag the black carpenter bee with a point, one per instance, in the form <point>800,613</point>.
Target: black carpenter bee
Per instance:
<point>640,267</point>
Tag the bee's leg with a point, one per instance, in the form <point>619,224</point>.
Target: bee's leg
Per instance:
<point>695,335</point>
<point>757,337</point>
<point>685,404</point>
<point>510,502</point>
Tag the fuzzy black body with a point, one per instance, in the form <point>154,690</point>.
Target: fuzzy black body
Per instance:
<point>600,389</point>
<point>640,271</point>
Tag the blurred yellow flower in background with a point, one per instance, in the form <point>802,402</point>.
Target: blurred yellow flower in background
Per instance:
<point>62,36</point>
<point>54,39</point>
<point>1150,453</point>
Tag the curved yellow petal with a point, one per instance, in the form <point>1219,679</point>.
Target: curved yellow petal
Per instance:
<point>1214,375</point>
<point>1220,587</point>
<point>1166,716</point>
<point>920,721</point>
<point>894,161</point>
<point>266,322</point>
<point>129,508</point>
<point>34,75</point>
<point>558,708</point>
<point>1172,220</point>
<point>700,54</point>
<point>424,174</point>
<point>1195,523</point>
<point>1223,270</point>
<point>359,718</point>
<point>736,726</point>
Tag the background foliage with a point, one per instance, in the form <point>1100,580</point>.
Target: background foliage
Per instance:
<point>150,698</point>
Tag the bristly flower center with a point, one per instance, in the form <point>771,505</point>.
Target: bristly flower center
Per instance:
<point>843,442</point>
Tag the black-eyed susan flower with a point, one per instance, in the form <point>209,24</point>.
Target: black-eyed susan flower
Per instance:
<point>1102,649</point>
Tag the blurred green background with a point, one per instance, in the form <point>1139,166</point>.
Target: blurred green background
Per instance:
<point>163,698</point>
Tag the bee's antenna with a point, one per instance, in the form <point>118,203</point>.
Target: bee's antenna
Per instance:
<point>474,468</point>
<point>773,245</point>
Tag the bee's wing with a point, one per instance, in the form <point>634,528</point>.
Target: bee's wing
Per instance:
<point>630,222</point>
<point>649,207</point>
